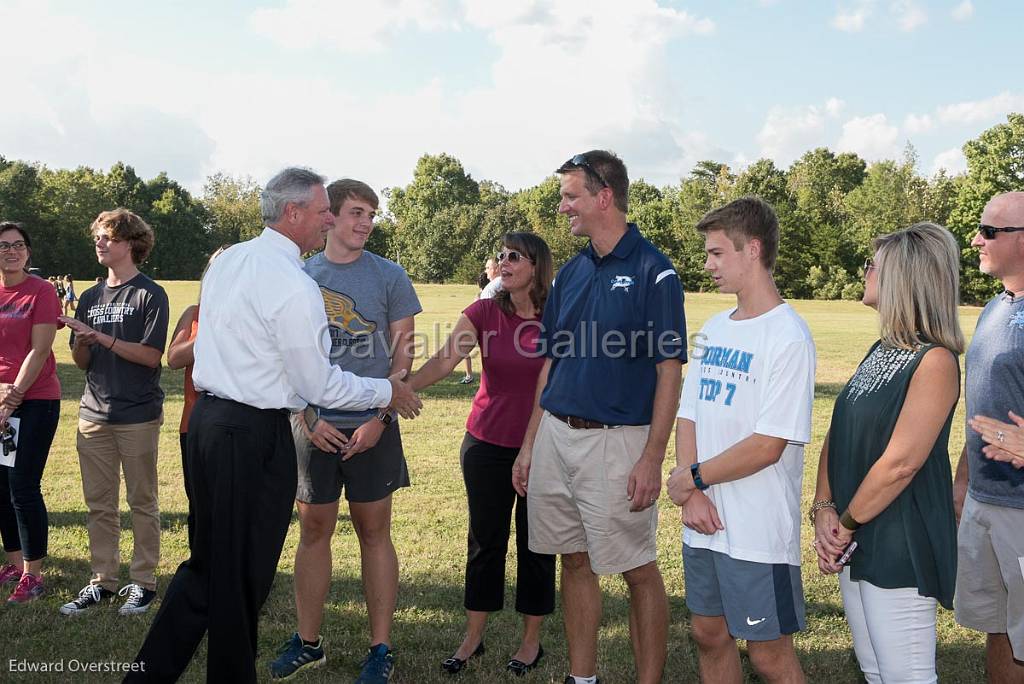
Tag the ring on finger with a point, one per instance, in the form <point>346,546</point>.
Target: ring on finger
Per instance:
<point>1000,436</point>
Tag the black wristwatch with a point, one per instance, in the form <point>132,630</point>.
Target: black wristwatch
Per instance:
<point>697,481</point>
<point>385,417</point>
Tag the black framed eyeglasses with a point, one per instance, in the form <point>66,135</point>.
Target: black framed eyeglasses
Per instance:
<point>990,232</point>
<point>512,255</point>
<point>580,162</point>
<point>17,246</point>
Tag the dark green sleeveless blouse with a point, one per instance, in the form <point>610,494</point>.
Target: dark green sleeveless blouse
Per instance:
<point>912,543</point>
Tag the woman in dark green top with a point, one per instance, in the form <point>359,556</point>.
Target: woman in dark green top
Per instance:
<point>884,478</point>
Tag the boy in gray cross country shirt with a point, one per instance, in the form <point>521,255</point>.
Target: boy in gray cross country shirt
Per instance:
<point>117,337</point>
<point>370,305</point>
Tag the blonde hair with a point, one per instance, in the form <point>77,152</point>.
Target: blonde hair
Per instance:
<point>919,287</point>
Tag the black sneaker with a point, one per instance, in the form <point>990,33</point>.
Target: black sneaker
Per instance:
<point>91,595</point>
<point>138,600</point>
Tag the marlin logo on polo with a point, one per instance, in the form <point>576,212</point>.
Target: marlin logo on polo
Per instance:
<point>622,282</point>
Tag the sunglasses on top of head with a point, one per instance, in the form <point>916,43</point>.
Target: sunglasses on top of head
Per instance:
<point>512,256</point>
<point>990,232</point>
<point>580,162</point>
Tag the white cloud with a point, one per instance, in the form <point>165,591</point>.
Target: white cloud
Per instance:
<point>872,137</point>
<point>851,18</point>
<point>788,132</point>
<point>979,111</point>
<point>908,14</point>
<point>915,124</point>
<point>834,106</point>
<point>352,26</point>
<point>963,11</point>
<point>952,160</point>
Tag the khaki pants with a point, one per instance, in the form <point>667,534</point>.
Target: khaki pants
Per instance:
<point>103,451</point>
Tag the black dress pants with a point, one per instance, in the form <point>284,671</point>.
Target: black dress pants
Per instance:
<point>243,477</point>
<point>487,471</point>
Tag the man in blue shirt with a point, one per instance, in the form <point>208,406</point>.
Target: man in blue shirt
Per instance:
<point>988,493</point>
<point>614,335</point>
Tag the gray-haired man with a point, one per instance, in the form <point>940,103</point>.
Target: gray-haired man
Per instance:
<point>261,354</point>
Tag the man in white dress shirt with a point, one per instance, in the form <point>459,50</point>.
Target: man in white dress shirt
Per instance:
<point>261,353</point>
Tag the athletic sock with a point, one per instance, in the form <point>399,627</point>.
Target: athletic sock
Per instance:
<point>584,680</point>
<point>314,644</point>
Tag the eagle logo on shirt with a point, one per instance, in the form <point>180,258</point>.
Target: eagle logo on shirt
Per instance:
<point>622,282</point>
<point>342,314</point>
<point>1017,320</point>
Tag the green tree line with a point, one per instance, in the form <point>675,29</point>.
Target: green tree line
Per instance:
<point>444,223</point>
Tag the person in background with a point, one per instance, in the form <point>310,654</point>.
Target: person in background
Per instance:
<point>69,295</point>
<point>118,337</point>
<point>885,461</point>
<point>30,392</point>
<point>180,354</point>
<point>988,489</point>
<point>489,283</point>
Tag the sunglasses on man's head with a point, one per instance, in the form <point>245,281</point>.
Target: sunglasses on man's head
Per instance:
<point>990,232</point>
<point>580,162</point>
<point>512,255</point>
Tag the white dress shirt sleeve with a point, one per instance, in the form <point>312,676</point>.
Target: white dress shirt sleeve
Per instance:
<point>301,330</point>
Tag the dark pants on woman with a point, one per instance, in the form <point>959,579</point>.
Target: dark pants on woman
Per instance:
<point>191,520</point>
<point>24,525</point>
<point>487,471</point>
<point>243,476</point>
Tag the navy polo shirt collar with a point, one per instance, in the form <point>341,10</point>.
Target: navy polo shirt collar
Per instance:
<point>623,248</point>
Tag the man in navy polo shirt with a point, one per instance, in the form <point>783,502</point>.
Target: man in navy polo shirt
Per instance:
<point>614,335</point>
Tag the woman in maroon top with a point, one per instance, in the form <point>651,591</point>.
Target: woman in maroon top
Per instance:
<point>30,393</point>
<point>506,329</point>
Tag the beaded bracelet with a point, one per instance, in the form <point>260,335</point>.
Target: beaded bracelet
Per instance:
<point>817,506</point>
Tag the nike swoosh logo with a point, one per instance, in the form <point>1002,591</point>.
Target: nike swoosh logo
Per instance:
<point>755,622</point>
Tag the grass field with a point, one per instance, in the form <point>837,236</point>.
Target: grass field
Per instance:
<point>429,531</point>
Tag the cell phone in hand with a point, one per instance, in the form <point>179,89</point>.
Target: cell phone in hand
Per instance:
<point>845,558</point>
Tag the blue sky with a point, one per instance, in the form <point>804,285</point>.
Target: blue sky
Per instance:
<point>511,88</point>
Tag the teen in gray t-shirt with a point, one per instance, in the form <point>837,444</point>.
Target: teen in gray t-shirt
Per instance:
<point>362,299</point>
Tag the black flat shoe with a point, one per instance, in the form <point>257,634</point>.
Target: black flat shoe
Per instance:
<point>454,665</point>
<point>519,668</point>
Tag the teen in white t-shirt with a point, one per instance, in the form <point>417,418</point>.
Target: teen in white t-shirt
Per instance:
<point>744,417</point>
<point>753,376</point>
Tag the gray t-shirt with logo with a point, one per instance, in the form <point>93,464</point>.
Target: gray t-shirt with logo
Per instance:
<point>362,299</point>
<point>994,386</point>
<point>118,391</point>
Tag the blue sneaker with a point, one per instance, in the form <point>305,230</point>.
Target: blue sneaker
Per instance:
<point>378,665</point>
<point>295,656</point>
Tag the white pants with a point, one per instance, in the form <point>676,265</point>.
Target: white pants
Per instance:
<point>893,631</point>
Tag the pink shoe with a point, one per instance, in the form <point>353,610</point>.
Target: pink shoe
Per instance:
<point>29,589</point>
<point>9,573</point>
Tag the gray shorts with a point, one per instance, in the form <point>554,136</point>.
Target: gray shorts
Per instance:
<point>368,476</point>
<point>760,601</point>
<point>990,571</point>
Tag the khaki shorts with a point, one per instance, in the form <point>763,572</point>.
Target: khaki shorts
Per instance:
<point>577,496</point>
<point>990,571</point>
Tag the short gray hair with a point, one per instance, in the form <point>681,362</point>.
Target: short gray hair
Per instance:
<point>289,186</point>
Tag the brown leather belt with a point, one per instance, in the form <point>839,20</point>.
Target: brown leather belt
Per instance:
<point>577,423</point>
